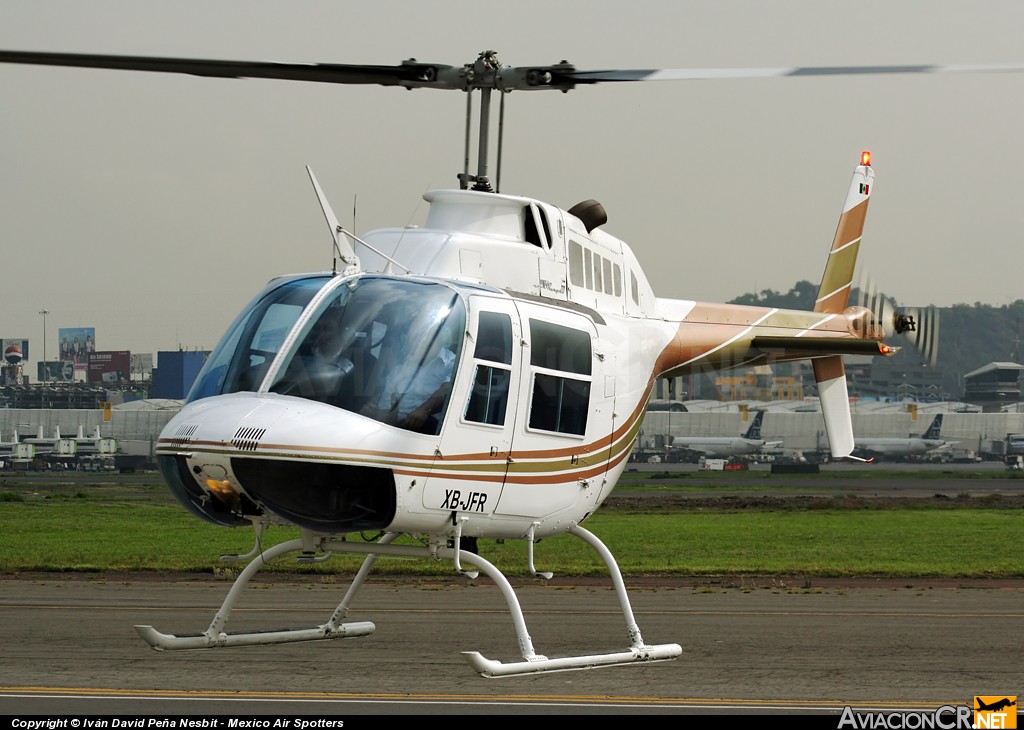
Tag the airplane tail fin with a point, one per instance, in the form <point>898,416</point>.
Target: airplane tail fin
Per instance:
<point>837,281</point>
<point>935,429</point>
<point>833,297</point>
<point>754,432</point>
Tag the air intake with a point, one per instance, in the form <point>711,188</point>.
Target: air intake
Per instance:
<point>247,439</point>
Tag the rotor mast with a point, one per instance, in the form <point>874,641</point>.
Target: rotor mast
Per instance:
<point>487,75</point>
<point>484,75</point>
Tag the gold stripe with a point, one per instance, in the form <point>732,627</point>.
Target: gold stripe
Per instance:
<point>838,274</point>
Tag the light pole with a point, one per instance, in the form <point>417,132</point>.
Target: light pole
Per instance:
<point>46,369</point>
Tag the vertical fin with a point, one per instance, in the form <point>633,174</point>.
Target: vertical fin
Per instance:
<point>754,432</point>
<point>833,297</point>
<point>837,281</point>
<point>835,404</point>
<point>935,430</point>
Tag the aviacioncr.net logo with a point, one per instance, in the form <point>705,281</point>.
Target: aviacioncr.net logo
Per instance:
<point>947,717</point>
<point>995,711</point>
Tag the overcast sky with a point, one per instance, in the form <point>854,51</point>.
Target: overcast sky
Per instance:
<point>153,206</point>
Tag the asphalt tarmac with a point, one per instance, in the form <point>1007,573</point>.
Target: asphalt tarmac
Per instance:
<point>68,648</point>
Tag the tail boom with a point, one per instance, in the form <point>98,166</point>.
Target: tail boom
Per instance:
<point>719,337</point>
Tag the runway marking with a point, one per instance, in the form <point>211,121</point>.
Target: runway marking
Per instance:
<point>517,699</point>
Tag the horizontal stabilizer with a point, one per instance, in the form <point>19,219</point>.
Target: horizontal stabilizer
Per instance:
<point>821,346</point>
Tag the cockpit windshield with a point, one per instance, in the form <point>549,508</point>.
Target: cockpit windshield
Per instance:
<point>244,354</point>
<point>381,347</point>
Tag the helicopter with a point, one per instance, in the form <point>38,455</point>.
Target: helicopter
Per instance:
<point>484,375</point>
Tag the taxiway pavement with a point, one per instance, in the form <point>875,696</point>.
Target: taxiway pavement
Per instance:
<point>68,646</point>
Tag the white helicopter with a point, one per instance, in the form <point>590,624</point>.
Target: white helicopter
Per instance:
<point>485,375</point>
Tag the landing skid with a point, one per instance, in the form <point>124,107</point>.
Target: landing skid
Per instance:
<point>215,636</point>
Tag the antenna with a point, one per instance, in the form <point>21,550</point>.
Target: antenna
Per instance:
<point>342,246</point>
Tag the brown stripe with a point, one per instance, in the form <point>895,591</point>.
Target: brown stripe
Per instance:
<point>828,368</point>
<point>604,443</point>
<point>851,225</point>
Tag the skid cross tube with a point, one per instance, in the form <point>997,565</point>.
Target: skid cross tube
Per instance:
<point>215,636</point>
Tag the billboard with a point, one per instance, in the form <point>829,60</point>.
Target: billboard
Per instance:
<point>14,351</point>
<point>142,366</point>
<point>55,371</point>
<point>106,368</point>
<point>76,343</point>
<point>13,355</point>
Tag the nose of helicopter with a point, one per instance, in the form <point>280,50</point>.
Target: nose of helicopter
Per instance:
<point>232,458</point>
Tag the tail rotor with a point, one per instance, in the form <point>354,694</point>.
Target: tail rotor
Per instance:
<point>919,325</point>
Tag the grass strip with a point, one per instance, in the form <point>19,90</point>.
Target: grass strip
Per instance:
<point>79,535</point>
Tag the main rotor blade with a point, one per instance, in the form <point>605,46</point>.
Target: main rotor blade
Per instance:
<point>409,73</point>
<point>698,74</point>
<point>485,72</point>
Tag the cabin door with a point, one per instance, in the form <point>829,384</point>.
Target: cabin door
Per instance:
<point>476,443</point>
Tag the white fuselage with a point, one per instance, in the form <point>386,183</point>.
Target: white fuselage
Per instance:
<point>719,446</point>
<point>570,420</point>
<point>898,446</point>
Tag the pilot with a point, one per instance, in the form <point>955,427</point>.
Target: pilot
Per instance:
<point>339,362</point>
<point>417,388</point>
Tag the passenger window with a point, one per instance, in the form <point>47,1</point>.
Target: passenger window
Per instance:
<point>618,280</point>
<point>559,402</point>
<point>588,268</point>
<point>607,275</point>
<point>494,338</point>
<point>575,264</point>
<point>556,347</point>
<point>597,272</point>
<point>489,398</point>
